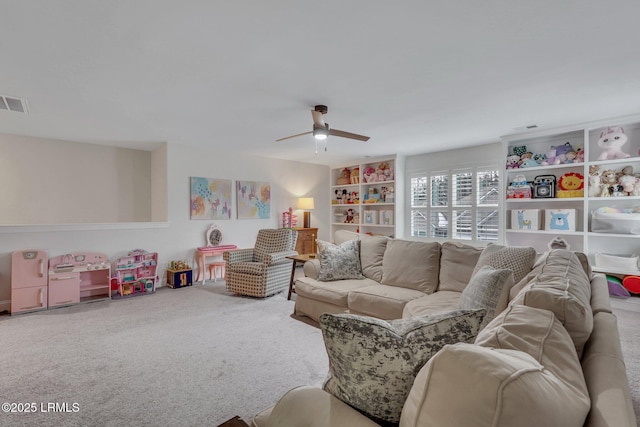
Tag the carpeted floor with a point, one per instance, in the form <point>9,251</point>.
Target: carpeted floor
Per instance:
<point>186,357</point>
<point>194,356</point>
<point>628,314</point>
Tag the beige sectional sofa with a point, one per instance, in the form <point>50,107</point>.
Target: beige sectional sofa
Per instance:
<point>551,356</point>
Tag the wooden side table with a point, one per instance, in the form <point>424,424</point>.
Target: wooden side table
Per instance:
<point>296,259</point>
<point>306,243</point>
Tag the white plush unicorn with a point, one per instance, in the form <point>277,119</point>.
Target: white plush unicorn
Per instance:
<point>611,141</point>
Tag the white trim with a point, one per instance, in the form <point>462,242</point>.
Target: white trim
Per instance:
<point>39,228</point>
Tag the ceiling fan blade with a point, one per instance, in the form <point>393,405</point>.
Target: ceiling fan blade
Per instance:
<point>317,118</point>
<point>293,136</point>
<point>336,132</point>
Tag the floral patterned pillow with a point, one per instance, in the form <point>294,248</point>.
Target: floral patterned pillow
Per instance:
<point>373,362</point>
<point>339,262</point>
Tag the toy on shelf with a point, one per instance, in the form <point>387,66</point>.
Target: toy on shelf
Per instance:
<point>136,274</point>
<point>519,188</point>
<point>544,187</point>
<point>355,175</point>
<point>369,175</point>
<point>571,184</point>
<point>611,141</point>
<point>345,177</point>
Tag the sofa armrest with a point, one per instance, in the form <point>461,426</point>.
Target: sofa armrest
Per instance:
<point>313,407</point>
<point>278,257</point>
<point>311,268</point>
<point>238,255</point>
<point>606,376</point>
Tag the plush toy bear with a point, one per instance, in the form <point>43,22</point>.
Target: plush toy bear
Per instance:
<point>513,161</point>
<point>611,142</point>
<point>561,153</point>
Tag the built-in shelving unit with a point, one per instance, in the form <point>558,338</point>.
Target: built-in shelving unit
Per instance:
<point>576,210</point>
<point>363,197</point>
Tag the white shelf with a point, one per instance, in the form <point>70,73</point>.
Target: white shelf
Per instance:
<point>364,191</point>
<point>585,136</point>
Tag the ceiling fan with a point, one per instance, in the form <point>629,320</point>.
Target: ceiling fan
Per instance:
<point>321,129</point>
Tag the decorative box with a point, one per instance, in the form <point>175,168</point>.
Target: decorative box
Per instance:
<point>370,217</point>
<point>525,219</point>
<point>179,278</point>
<point>560,219</point>
<point>386,217</point>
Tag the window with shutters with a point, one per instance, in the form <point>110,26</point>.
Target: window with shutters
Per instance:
<point>460,204</point>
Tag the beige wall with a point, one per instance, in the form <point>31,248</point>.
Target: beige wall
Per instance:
<point>46,181</point>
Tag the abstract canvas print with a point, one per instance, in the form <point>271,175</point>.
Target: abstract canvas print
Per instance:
<point>210,198</point>
<point>253,199</point>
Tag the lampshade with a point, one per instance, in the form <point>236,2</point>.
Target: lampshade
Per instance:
<point>305,203</point>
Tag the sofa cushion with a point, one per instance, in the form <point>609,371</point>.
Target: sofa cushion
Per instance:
<point>488,289</point>
<point>470,385</point>
<point>336,292</point>
<point>339,262</point>
<point>457,262</point>
<point>516,258</point>
<point>372,250</point>
<point>413,265</point>
<point>372,362</point>
<point>562,287</point>
<point>381,301</point>
<point>436,302</point>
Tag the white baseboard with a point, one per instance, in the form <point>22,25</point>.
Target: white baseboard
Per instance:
<point>5,305</point>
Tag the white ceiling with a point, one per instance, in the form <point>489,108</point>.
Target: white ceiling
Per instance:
<point>415,76</point>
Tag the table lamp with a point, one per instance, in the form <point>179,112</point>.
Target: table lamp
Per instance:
<point>306,204</point>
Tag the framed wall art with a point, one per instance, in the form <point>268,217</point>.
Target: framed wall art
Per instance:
<point>253,199</point>
<point>210,198</point>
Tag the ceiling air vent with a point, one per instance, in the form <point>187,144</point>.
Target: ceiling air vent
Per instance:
<point>10,103</point>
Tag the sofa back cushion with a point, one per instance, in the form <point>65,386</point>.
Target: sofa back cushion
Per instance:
<point>410,264</point>
<point>457,262</point>
<point>522,372</point>
<point>562,287</point>
<point>372,250</point>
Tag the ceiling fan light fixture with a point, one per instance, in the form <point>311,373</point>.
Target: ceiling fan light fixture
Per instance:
<point>320,133</point>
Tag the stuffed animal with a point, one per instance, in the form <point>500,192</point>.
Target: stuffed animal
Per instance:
<point>519,150</point>
<point>611,141</point>
<point>369,174</point>
<point>513,161</point>
<point>350,215</point>
<point>551,157</point>
<point>539,158</point>
<point>628,183</point>
<point>595,181</point>
<point>561,153</point>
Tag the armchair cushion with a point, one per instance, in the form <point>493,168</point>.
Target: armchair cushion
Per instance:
<point>256,268</point>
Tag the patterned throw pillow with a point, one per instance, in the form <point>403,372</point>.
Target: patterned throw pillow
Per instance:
<point>518,259</point>
<point>488,289</point>
<point>339,262</point>
<point>373,362</point>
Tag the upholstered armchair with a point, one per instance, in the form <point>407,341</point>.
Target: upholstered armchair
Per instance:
<point>264,269</point>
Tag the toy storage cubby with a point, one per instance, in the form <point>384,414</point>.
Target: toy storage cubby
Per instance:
<point>578,204</point>
<point>136,274</point>
<point>363,197</point>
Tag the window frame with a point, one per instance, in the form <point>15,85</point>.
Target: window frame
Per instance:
<point>470,203</point>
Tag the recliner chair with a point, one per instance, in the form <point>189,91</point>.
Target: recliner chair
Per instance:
<point>263,270</point>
